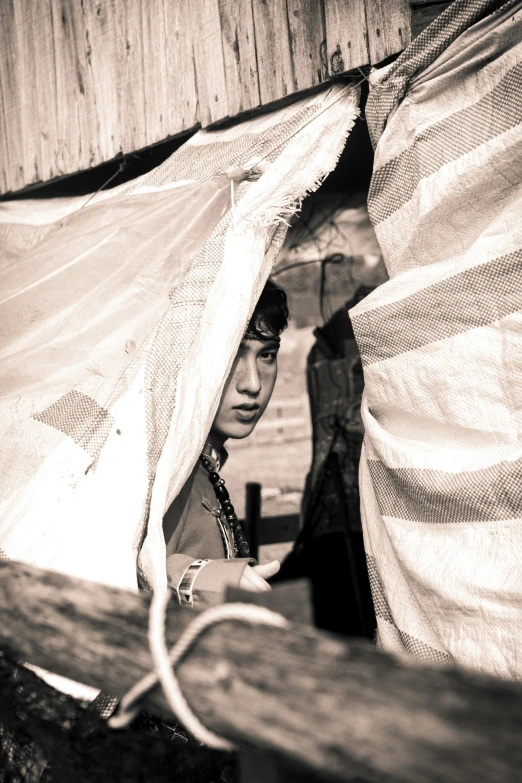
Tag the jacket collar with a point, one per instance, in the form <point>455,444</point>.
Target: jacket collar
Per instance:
<point>218,459</point>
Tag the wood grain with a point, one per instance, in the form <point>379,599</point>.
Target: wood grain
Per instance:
<point>335,707</point>
<point>26,84</point>
<point>307,40</point>
<point>388,28</point>
<point>239,53</point>
<point>129,55</point>
<point>209,61</point>
<point>274,57</point>
<point>156,99</point>
<point>77,121</point>
<point>39,108</point>
<point>82,82</point>
<point>11,150</point>
<point>293,600</point>
<point>102,38</point>
<point>428,2</point>
<point>346,35</point>
<point>424,13</point>
<point>181,109</point>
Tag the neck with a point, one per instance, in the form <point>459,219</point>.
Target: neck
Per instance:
<point>216,440</point>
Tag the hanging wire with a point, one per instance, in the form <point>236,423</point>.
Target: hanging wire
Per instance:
<point>365,76</point>
<point>123,165</point>
<point>334,258</point>
<point>295,265</point>
<point>302,227</point>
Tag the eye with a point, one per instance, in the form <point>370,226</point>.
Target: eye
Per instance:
<point>269,357</point>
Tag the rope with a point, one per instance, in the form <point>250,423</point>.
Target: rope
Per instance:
<point>164,660</point>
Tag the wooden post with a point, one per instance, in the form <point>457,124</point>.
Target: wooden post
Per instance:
<point>334,707</point>
<point>253,516</point>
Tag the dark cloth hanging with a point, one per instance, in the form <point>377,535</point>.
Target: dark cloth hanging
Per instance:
<point>329,550</point>
<point>48,737</point>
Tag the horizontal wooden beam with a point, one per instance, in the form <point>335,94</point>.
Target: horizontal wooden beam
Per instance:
<point>82,83</point>
<point>277,530</point>
<point>428,2</point>
<point>335,707</point>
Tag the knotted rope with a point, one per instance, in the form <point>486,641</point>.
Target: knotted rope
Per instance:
<point>164,661</point>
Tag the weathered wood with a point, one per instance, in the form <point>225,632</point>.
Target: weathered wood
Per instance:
<point>170,96</point>
<point>239,52</point>
<point>346,35</point>
<point>39,108</point>
<point>154,47</point>
<point>10,131</point>
<point>423,13</point>
<point>209,61</point>
<point>77,123</point>
<point>130,57</point>
<point>258,768</point>
<point>388,28</point>
<point>293,600</point>
<point>103,90</point>
<point>181,109</point>
<point>336,707</point>
<point>274,58</point>
<point>307,40</point>
<point>11,161</point>
<point>82,82</point>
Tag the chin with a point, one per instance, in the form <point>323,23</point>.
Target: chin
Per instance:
<point>239,431</point>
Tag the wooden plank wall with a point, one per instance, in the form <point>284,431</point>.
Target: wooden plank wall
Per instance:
<point>82,81</point>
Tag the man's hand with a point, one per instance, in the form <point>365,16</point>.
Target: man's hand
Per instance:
<point>254,578</point>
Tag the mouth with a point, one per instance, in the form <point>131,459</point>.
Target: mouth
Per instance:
<point>246,412</point>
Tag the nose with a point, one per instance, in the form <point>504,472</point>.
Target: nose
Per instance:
<point>248,379</point>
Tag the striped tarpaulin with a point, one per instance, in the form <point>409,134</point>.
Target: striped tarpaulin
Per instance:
<point>441,344</point>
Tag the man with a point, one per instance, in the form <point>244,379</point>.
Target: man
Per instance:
<point>202,547</point>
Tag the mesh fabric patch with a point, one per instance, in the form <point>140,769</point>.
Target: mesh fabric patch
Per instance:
<point>81,418</point>
<point>417,649</point>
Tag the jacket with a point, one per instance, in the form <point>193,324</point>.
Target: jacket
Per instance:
<point>199,542</point>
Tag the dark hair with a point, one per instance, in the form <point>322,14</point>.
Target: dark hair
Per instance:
<point>271,315</point>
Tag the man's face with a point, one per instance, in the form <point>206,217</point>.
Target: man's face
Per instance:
<point>248,389</point>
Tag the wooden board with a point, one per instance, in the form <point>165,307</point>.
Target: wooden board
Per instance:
<point>274,58</point>
<point>131,85</point>
<point>82,82</point>
<point>39,107</point>
<point>76,118</point>
<point>346,35</point>
<point>388,28</point>
<point>181,109</point>
<point>292,599</point>
<point>239,53</point>
<point>278,530</point>
<point>332,706</point>
<point>209,61</point>
<point>154,48</point>
<point>102,39</point>
<point>306,27</point>
<point>11,75</point>
<point>423,13</point>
